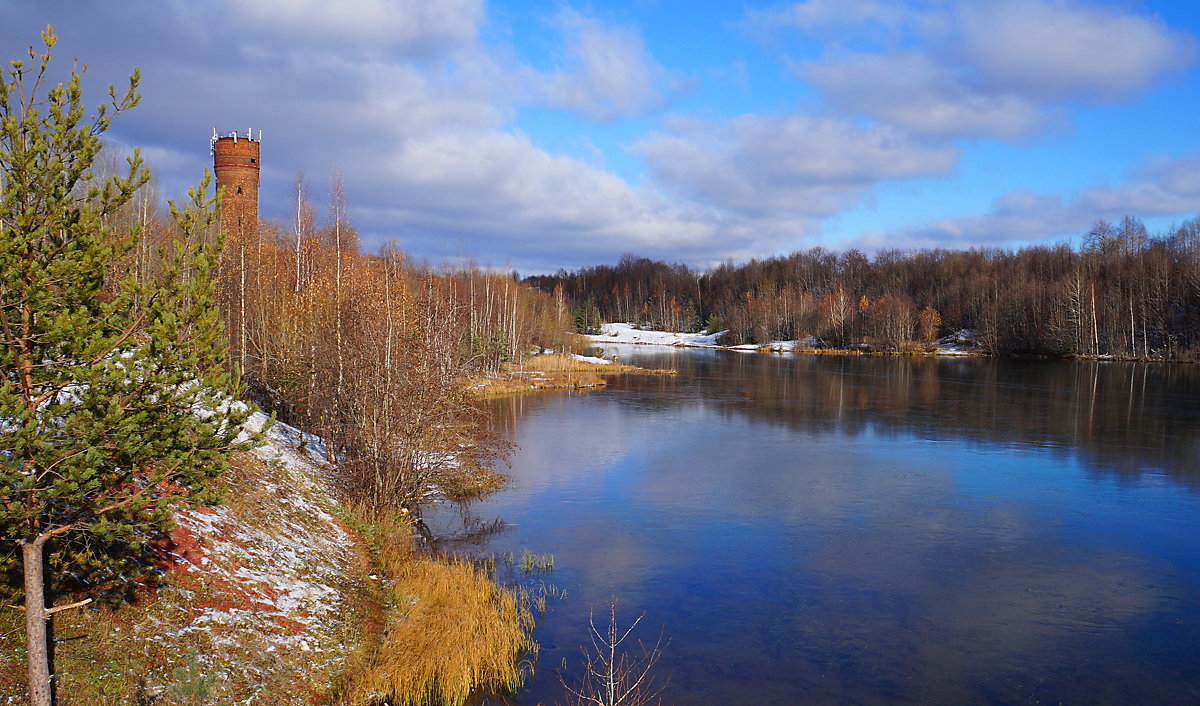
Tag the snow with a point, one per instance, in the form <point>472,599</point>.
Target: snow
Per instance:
<point>591,359</point>
<point>803,344</point>
<point>263,588</point>
<point>627,333</point>
<point>962,342</point>
<point>271,565</point>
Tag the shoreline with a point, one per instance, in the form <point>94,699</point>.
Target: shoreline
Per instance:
<point>627,334</point>
<point>956,345</point>
<point>556,371</point>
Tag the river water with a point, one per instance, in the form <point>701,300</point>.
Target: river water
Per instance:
<point>869,530</point>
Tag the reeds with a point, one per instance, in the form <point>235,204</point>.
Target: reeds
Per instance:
<point>557,362</point>
<point>454,633</point>
<point>531,563</point>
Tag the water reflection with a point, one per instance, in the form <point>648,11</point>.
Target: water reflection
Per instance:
<point>1127,418</point>
<point>873,530</point>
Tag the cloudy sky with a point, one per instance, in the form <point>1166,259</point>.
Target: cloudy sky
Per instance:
<point>537,135</point>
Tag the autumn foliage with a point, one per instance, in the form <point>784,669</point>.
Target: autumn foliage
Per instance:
<point>372,351</point>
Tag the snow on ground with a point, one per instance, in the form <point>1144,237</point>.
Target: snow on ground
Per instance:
<point>263,593</point>
<point>265,575</point>
<point>962,342</point>
<point>591,359</point>
<point>627,333</point>
<point>805,344</point>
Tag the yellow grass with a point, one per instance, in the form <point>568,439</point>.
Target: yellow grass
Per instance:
<point>553,371</point>
<point>454,633</point>
<point>557,362</point>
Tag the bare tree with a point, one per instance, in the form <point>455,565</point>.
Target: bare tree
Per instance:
<point>611,677</point>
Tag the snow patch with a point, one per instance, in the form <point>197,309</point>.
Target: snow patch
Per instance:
<point>628,333</point>
<point>591,359</point>
<point>962,342</point>
<point>267,572</point>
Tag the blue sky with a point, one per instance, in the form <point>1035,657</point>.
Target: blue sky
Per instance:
<point>537,135</point>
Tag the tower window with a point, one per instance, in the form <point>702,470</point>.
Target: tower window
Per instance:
<point>239,190</point>
<point>253,160</point>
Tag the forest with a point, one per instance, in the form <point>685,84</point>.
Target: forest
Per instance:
<point>374,352</point>
<point>1124,293</point>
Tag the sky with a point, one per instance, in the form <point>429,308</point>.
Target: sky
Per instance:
<point>540,135</point>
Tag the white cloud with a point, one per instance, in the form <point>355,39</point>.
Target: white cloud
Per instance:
<point>418,26</point>
<point>607,72</point>
<point>509,196</point>
<point>825,15</point>
<point>1055,49</point>
<point>912,90</point>
<point>795,164</point>
<point>424,138</point>
<point>995,68</point>
<point>1166,187</point>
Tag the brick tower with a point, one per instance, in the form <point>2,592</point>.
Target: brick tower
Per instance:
<point>235,161</point>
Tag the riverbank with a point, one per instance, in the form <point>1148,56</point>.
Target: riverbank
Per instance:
<point>961,343</point>
<point>263,597</point>
<point>556,371</point>
<point>284,594</point>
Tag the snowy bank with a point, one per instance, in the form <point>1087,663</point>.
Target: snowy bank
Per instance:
<point>960,343</point>
<point>627,333</point>
<point>591,359</point>
<point>262,602</point>
<point>267,571</point>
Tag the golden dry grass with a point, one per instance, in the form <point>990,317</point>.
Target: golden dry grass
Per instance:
<point>454,632</point>
<point>556,371</point>
<point>557,362</point>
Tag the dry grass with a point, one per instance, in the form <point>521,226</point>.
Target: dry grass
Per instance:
<point>557,362</point>
<point>454,633</point>
<point>451,632</point>
<point>556,371</point>
<point>405,629</point>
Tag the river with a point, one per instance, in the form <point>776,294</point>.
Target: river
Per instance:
<point>869,530</point>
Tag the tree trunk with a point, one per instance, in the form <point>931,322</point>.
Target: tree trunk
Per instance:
<point>299,227</point>
<point>242,304</point>
<point>35,623</point>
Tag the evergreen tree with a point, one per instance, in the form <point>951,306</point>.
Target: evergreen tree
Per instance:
<point>107,418</point>
<point>691,320</point>
<point>587,318</point>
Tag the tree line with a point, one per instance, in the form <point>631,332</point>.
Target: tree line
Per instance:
<point>1123,292</point>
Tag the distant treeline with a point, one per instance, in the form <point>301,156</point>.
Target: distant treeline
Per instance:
<point>1123,293</point>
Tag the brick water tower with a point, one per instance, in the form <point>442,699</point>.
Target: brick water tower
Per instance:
<point>235,161</point>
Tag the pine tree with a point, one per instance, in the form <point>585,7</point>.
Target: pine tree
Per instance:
<point>107,419</point>
<point>587,318</point>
